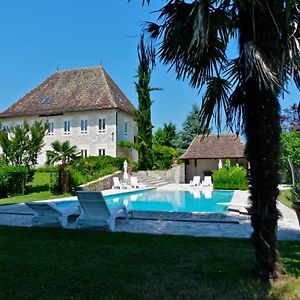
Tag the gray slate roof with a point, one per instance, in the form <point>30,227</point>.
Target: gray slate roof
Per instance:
<point>214,146</point>
<point>82,89</point>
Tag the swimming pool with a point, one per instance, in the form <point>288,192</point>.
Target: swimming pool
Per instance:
<point>179,201</point>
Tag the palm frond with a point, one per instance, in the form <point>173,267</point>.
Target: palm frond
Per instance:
<point>215,100</point>
<point>235,111</point>
<point>258,68</point>
<point>290,41</point>
<point>185,31</point>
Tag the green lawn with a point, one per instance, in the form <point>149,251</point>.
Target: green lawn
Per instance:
<point>38,190</point>
<point>283,198</point>
<point>67,264</point>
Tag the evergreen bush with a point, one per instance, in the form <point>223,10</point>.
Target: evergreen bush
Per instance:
<point>91,168</point>
<point>230,178</point>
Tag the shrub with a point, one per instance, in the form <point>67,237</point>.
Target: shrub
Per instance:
<point>91,168</point>
<point>13,180</point>
<point>163,157</point>
<point>230,178</point>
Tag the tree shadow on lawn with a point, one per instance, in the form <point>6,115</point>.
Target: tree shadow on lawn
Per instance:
<point>38,188</point>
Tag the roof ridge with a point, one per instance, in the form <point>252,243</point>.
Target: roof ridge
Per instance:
<point>78,69</point>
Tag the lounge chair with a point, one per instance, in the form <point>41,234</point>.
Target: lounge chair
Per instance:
<point>48,214</point>
<point>206,181</point>
<point>118,185</point>
<point>95,212</point>
<point>196,181</point>
<point>135,184</point>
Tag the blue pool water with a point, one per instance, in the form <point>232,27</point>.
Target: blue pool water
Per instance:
<point>180,201</point>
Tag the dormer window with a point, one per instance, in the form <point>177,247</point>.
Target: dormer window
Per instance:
<point>46,100</point>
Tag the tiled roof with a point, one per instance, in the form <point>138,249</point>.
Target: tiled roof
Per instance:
<point>82,89</point>
<point>214,146</point>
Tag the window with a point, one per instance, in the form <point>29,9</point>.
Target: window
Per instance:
<point>102,125</point>
<point>126,128</point>
<point>101,152</point>
<point>84,153</point>
<point>50,128</point>
<point>187,162</point>
<point>46,100</point>
<point>5,128</point>
<point>195,161</point>
<point>21,126</point>
<point>67,127</point>
<point>84,126</point>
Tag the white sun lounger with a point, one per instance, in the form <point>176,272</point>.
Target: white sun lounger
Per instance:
<point>48,214</point>
<point>196,181</point>
<point>206,181</point>
<point>95,212</point>
<point>118,185</point>
<point>135,184</point>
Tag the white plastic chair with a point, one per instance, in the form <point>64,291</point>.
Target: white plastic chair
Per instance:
<point>135,184</point>
<point>48,214</point>
<point>95,212</point>
<point>118,185</point>
<point>196,181</point>
<point>206,181</point>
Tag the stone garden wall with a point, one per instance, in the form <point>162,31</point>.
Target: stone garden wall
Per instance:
<point>101,184</point>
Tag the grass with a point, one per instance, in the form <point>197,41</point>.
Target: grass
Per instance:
<point>38,190</point>
<point>67,264</point>
<point>283,198</point>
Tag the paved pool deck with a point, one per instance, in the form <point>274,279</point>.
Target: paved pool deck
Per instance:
<point>288,227</point>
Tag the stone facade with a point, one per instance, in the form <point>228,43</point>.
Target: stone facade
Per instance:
<point>173,175</point>
<point>84,106</point>
<point>94,140</point>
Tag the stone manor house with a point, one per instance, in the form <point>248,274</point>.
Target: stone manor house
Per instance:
<point>84,106</point>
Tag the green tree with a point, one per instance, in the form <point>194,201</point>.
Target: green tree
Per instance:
<point>290,148</point>
<point>36,140</point>
<point>191,127</point>
<point>63,154</point>
<point>166,136</point>
<point>193,37</point>
<point>143,114</point>
<point>163,157</point>
<point>21,145</point>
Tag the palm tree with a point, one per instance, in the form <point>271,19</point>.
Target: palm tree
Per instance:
<point>193,38</point>
<point>62,153</point>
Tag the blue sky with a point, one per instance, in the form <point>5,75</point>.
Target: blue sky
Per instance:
<point>37,37</point>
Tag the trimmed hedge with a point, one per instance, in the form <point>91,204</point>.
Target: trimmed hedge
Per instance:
<point>230,178</point>
<point>13,180</point>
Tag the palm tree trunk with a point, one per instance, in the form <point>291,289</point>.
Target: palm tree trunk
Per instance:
<point>64,179</point>
<point>258,26</point>
<point>262,126</point>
